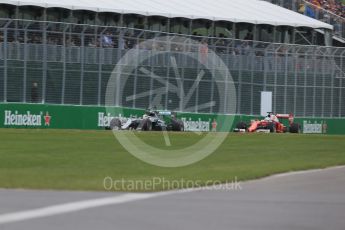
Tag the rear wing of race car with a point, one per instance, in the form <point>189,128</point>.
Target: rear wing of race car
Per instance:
<point>286,116</point>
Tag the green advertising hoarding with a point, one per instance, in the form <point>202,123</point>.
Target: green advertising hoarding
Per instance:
<point>17,115</point>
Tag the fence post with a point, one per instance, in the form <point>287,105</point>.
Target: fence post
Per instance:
<point>239,98</point>
<point>323,85</point>
<point>265,65</point>
<point>252,54</point>
<point>341,83</point>
<point>315,66</point>
<point>63,85</point>
<point>5,60</point>
<point>275,78</point>
<point>25,64</point>
<point>296,57</point>
<point>214,55</point>
<point>286,55</point>
<point>97,51</point>
<point>305,85</point>
<point>332,82</point>
<point>168,72</point>
<point>45,65</point>
<point>135,72</point>
<point>187,44</point>
<point>82,65</point>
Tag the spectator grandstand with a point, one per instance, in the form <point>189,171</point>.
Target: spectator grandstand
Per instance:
<point>331,12</point>
<point>235,21</point>
<point>334,6</point>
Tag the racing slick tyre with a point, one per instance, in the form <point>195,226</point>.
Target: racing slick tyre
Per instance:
<point>294,128</point>
<point>271,127</point>
<point>181,126</point>
<point>134,125</point>
<point>241,125</point>
<point>176,125</point>
<point>146,125</point>
<point>115,124</point>
<point>285,129</point>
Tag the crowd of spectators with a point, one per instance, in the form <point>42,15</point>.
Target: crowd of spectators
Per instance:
<point>115,39</point>
<point>335,6</point>
<point>125,41</point>
<point>328,11</point>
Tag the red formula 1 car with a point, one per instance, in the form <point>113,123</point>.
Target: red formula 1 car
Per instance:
<point>270,124</point>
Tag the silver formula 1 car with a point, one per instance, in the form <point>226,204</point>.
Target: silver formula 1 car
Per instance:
<point>152,120</point>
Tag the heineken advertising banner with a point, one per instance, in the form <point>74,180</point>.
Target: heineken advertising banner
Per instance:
<point>13,115</point>
<point>322,126</point>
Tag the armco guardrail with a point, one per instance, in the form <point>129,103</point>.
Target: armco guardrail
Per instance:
<point>44,116</point>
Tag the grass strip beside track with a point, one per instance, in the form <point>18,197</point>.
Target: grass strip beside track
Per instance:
<point>80,160</point>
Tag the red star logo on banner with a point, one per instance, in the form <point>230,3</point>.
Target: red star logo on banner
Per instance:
<point>47,119</point>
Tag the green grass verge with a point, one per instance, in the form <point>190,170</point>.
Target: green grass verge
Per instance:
<point>80,160</point>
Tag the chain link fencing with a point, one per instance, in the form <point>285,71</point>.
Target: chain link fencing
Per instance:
<point>61,63</point>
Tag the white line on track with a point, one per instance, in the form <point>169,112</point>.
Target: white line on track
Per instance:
<point>302,172</point>
<point>82,205</point>
<point>125,198</point>
<point>71,207</point>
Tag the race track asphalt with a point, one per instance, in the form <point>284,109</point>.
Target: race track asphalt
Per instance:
<point>303,201</point>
